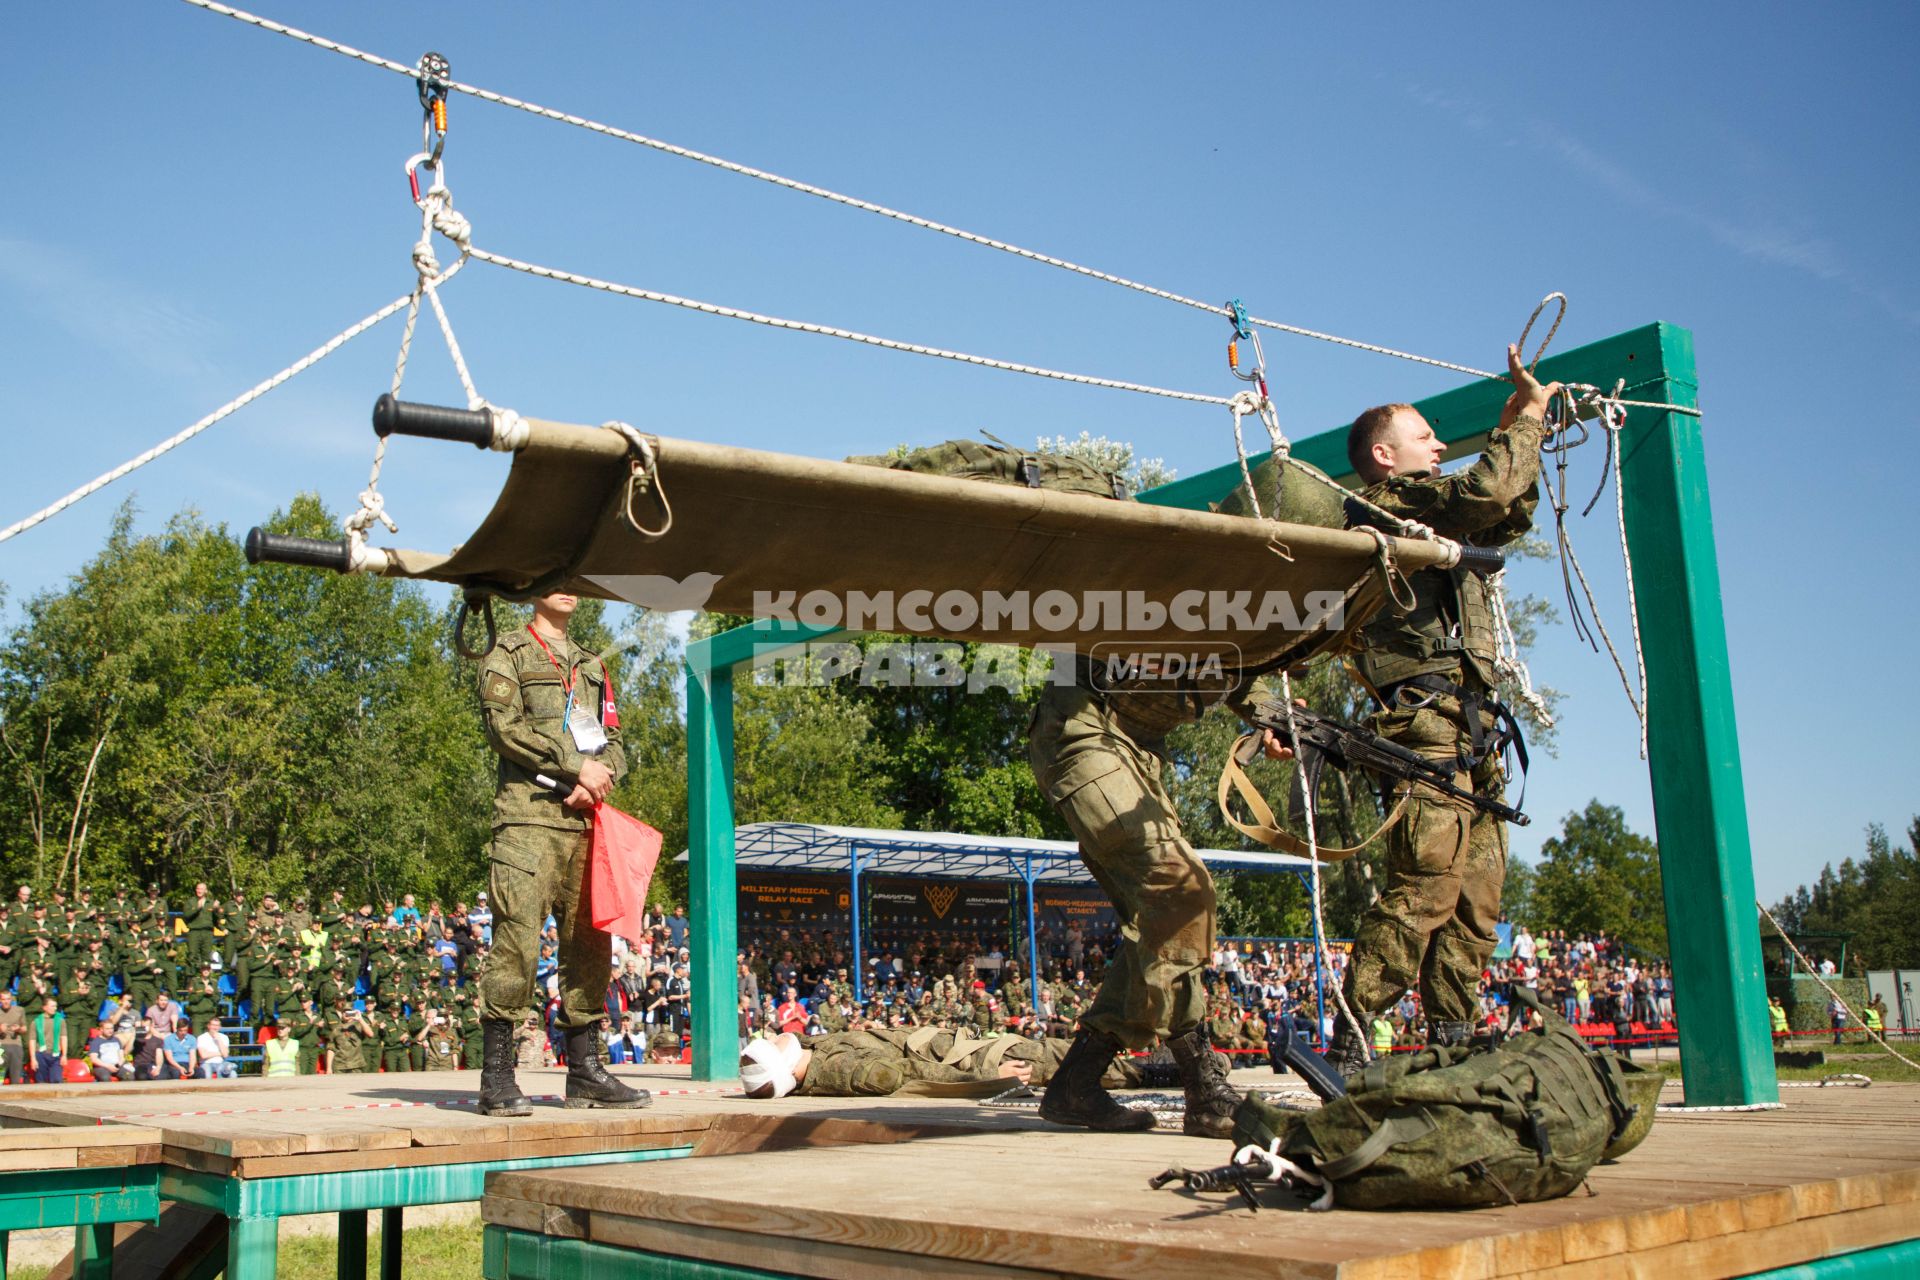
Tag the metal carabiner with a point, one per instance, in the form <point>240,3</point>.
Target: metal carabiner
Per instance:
<point>439,186</point>
<point>433,129</point>
<point>1243,332</point>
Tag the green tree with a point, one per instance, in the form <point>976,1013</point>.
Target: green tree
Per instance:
<point>1599,875</point>
<point>172,714</point>
<point>1875,899</point>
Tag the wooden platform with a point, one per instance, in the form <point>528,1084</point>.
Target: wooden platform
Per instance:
<point>1836,1172</point>
<point>211,1166</point>
<point>257,1129</point>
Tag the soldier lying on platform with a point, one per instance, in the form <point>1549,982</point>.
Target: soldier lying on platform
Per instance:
<point>919,1060</point>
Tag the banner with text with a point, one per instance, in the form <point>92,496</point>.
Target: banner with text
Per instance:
<point>774,900</point>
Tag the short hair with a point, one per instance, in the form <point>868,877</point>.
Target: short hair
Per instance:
<point>1369,429</point>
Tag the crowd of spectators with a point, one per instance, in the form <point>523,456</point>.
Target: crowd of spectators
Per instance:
<point>136,988</point>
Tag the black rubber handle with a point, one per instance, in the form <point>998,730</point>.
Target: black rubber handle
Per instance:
<point>436,422</point>
<point>1483,559</point>
<point>279,548</point>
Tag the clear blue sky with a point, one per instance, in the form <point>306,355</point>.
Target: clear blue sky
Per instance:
<point>190,204</point>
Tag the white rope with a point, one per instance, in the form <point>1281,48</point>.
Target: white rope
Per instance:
<point>436,214</point>
<point>852,202</point>
<point>1838,999</point>
<point>1612,417</point>
<point>1614,420</point>
<point>1285,1172</point>
<point>1245,403</point>
<point>829,331</point>
<point>1324,954</point>
<point>239,402</point>
<point>1508,665</point>
<point>1240,405</point>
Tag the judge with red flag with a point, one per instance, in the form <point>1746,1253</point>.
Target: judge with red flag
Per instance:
<point>548,711</point>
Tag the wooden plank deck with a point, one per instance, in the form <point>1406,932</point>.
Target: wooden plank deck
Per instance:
<point>328,1124</point>
<point>38,1148</point>
<point>1706,1195</point>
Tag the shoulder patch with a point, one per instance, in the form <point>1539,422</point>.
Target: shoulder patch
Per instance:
<point>497,688</point>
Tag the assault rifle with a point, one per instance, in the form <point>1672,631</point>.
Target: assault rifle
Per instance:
<point>1322,740</point>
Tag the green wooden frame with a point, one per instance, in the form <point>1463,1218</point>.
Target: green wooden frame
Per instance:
<point>1698,794</point>
<point>253,1207</point>
<point>90,1201</point>
<point>511,1254</point>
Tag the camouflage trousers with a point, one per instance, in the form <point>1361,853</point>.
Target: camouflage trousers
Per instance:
<point>537,870</point>
<point>1108,789</point>
<point>1433,927</point>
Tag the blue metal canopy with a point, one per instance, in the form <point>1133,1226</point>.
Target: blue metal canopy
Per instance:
<point>863,851</point>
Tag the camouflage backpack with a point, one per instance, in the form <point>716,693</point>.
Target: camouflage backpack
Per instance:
<point>1307,496</point>
<point>997,462</point>
<point>1456,1127</point>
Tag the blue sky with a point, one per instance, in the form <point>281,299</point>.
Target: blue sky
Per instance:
<point>191,204</point>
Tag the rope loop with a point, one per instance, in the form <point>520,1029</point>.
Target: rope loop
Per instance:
<point>643,476</point>
<point>1555,296</point>
<point>1402,596</point>
<point>467,610</point>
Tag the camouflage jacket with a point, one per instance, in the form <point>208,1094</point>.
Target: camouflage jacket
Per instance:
<point>523,699</point>
<point>877,1063</point>
<point>1449,629</point>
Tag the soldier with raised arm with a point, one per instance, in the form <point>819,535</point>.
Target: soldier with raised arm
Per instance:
<point>1431,667</point>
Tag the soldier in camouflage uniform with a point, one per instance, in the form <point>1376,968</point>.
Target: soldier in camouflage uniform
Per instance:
<point>882,1062</point>
<point>465,1022</point>
<point>201,916</point>
<point>390,1030</point>
<point>1223,1024</point>
<point>347,1034</point>
<point>1432,668</point>
<point>202,1000</point>
<point>9,951</point>
<point>439,1043</point>
<point>548,710</point>
<point>1095,755</point>
<point>306,1027</point>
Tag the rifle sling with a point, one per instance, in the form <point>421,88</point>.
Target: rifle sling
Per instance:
<point>1270,833</point>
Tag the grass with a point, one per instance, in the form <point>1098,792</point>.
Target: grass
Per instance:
<point>1861,1058</point>
<point>449,1252</point>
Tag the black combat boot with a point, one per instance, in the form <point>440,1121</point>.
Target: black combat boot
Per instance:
<point>1210,1099</point>
<point>588,1084</point>
<point>1347,1055</point>
<point>499,1095</point>
<point>1074,1095</point>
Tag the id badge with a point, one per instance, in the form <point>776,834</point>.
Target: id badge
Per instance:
<point>589,739</point>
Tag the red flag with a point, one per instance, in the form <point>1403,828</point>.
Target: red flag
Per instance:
<point>624,852</point>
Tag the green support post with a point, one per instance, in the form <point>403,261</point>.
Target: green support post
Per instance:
<point>712,897</point>
<point>1699,799</point>
<point>253,1248</point>
<point>93,1251</point>
<point>393,1229</point>
<point>350,1246</point>
<point>1699,803</point>
<point>710,871</point>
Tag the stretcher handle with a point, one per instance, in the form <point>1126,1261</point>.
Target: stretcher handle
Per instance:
<point>433,421</point>
<point>1483,559</point>
<point>280,548</point>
